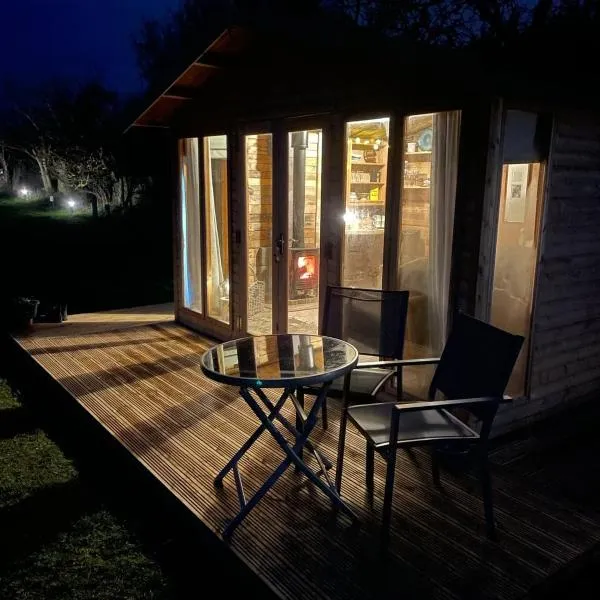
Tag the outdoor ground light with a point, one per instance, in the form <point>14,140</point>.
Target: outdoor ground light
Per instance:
<point>71,203</point>
<point>23,192</point>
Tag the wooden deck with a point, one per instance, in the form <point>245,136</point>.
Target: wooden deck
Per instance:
<point>140,379</point>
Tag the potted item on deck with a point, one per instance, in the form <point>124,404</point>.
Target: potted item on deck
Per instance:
<point>24,311</point>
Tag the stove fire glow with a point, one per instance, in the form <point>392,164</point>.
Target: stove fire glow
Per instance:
<point>304,273</point>
<point>306,267</point>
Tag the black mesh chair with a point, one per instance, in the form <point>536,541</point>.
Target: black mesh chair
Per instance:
<point>374,321</point>
<point>471,374</point>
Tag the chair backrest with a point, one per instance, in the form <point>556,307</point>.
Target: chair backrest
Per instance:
<point>374,321</point>
<point>477,360</point>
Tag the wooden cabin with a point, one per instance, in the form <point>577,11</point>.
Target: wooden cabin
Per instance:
<point>302,160</point>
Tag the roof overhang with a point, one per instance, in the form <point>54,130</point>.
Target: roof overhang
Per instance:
<point>220,55</point>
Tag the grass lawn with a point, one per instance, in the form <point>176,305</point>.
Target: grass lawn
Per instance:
<point>115,261</point>
<point>57,538</point>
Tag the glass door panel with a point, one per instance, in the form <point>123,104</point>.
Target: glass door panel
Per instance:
<point>367,146</point>
<point>516,257</point>
<point>430,163</point>
<point>216,211</point>
<point>305,156</point>
<point>191,238</point>
<point>259,235</point>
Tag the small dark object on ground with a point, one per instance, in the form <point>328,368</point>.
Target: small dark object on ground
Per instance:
<point>23,311</point>
<point>51,312</point>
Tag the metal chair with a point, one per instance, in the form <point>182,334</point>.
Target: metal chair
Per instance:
<point>471,374</point>
<point>374,321</point>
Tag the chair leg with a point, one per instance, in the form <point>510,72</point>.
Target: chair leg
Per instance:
<point>299,423</point>
<point>370,469</point>
<point>488,506</point>
<point>387,499</point>
<point>324,420</point>
<point>340,454</point>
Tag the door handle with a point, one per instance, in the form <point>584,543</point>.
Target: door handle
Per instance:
<point>280,247</point>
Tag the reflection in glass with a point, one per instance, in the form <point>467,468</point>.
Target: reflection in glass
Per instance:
<point>275,357</point>
<point>367,147</point>
<point>189,186</point>
<point>217,227</point>
<point>259,218</point>
<point>516,257</point>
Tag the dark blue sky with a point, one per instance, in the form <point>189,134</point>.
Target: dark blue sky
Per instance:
<point>42,39</point>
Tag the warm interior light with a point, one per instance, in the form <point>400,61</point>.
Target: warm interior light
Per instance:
<point>357,140</point>
<point>375,146</point>
<point>350,217</point>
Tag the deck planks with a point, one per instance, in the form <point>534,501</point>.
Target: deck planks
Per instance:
<point>138,375</point>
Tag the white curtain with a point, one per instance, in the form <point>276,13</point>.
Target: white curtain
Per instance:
<point>444,168</point>
<point>190,224</point>
<point>216,264</point>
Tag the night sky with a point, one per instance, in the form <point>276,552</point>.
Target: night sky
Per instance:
<point>78,39</point>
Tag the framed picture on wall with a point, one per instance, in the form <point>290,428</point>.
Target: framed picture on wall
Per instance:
<point>515,205</point>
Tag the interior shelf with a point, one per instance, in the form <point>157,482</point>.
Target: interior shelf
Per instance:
<point>365,203</point>
<point>371,183</point>
<point>368,164</point>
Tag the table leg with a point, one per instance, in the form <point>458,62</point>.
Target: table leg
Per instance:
<point>291,452</point>
<point>274,409</point>
<point>295,432</point>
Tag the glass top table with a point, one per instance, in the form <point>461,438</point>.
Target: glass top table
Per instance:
<point>279,360</point>
<point>291,362</point>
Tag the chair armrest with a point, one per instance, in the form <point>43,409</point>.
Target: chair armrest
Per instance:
<point>409,362</point>
<point>439,404</point>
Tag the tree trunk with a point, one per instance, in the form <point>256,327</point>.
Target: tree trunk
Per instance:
<point>44,174</point>
<point>4,172</point>
<point>94,200</point>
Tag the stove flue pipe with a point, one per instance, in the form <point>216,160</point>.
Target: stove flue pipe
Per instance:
<point>299,145</point>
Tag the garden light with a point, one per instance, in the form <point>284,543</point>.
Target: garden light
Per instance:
<point>71,203</point>
<point>23,192</point>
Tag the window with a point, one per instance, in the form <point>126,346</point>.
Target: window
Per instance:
<point>430,169</point>
<point>367,146</point>
<point>189,186</point>
<point>216,210</point>
<point>516,257</point>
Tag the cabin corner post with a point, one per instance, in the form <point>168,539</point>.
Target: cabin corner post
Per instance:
<point>489,215</point>
<point>480,120</point>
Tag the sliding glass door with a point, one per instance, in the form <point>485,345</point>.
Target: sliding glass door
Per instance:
<point>367,147</point>
<point>302,230</point>
<point>205,229</point>
<point>190,225</point>
<point>258,167</point>
<point>216,239</point>
<point>283,231</point>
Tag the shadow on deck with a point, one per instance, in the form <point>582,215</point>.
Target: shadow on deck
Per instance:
<point>138,375</point>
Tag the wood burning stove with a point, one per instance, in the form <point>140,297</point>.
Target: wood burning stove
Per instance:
<point>303,273</point>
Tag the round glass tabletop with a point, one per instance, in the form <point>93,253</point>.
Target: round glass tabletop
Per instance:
<point>285,360</point>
